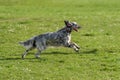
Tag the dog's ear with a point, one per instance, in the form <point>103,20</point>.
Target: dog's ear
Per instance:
<point>67,23</point>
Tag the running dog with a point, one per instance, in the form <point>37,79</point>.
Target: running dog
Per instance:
<point>61,37</point>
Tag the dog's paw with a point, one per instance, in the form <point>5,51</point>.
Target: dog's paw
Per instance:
<point>78,47</point>
<point>77,50</point>
<point>23,56</point>
<point>37,56</point>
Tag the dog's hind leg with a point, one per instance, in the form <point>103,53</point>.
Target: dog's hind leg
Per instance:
<point>37,55</point>
<point>25,53</point>
<point>40,47</point>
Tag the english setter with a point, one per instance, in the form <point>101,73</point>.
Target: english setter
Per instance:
<point>61,37</point>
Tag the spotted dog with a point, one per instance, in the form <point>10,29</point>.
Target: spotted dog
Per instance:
<point>61,37</point>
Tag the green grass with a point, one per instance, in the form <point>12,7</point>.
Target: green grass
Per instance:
<point>99,38</point>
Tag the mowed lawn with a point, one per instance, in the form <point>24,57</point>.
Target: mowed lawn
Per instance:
<point>99,38</point>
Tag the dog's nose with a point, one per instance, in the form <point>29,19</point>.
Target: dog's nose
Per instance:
<point>79,27</point>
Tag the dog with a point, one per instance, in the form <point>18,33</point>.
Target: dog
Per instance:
<point>61,37</point>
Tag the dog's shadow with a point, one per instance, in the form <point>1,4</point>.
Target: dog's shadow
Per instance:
<point>55,53</point>
<point>93,51</point>
<point>16,58</point>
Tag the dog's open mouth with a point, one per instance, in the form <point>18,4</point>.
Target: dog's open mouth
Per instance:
<point>76,29</point>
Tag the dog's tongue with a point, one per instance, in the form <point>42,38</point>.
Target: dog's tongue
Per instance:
<point>76,29</point>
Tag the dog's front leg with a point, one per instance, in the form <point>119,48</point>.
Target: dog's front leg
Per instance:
<point>73,45</point>
<point>78,47</point>
<point>25,53</point>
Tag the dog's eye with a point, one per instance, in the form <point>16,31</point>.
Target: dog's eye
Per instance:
<point>74,24</point>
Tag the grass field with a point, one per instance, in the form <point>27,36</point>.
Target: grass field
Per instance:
<point>99,38</point>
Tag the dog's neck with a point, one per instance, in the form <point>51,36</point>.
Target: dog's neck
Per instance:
<point>69,30</point>
<point>66,30</point>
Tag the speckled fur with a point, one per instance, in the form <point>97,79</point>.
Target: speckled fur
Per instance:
<point>61,37</point>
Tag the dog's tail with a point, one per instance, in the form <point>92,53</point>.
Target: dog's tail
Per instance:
<point>28,43</point>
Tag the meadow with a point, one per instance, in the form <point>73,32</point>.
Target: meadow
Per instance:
<point>99,39</point>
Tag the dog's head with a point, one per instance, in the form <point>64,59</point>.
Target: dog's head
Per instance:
<point>72,25</point>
